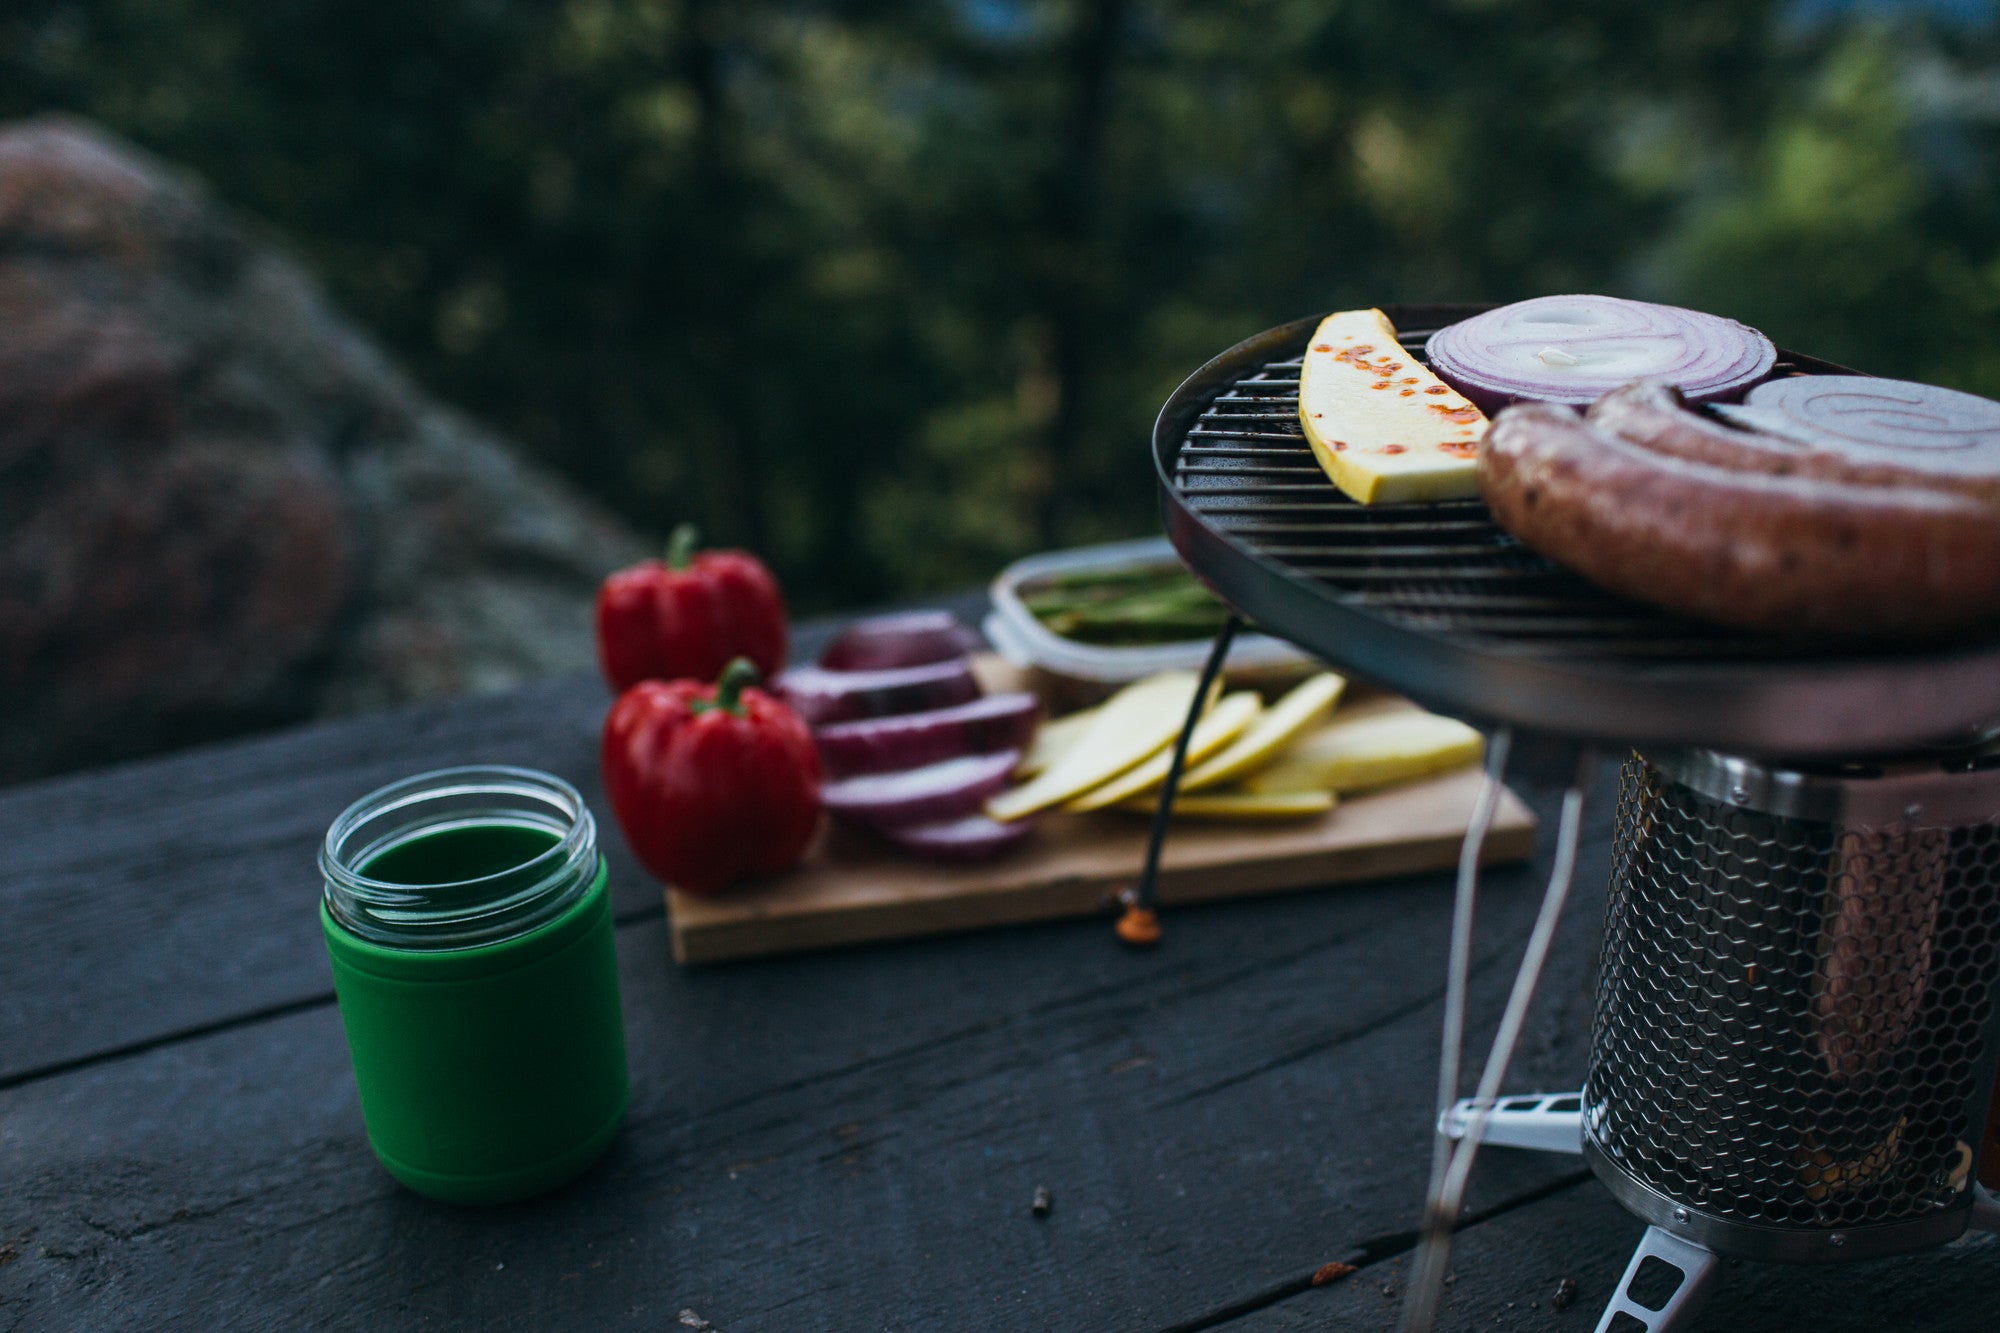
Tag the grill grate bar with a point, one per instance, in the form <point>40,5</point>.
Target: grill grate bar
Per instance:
<point>1410,573</point>
<point>1373,555</point>
<point>1251,465</point>
<point>1279,471</point>
<point>1336,510</point>
<point>1222,485</point>
<point>1254,451</point>
<point>1277,527</point>
<point>1484,602</point>
<point>1293,438</point>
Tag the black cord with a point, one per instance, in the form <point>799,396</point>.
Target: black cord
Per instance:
<point>1146,893</point>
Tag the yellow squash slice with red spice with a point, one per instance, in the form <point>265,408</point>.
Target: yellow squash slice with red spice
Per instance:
<point>1386,430</point>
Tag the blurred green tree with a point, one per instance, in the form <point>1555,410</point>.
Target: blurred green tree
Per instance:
<point>891,289</point>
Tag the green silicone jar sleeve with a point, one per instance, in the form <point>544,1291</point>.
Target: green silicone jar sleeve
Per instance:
<point>481,1070</point>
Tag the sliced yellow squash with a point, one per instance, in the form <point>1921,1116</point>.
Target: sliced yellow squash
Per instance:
<point>1052,739</point>
<point>1222,724</point>
<point>1141,718</point>
<point>1302,706</point>
<point>1383,427</point>
<point>1235,803</point>
<point>1346,756</point>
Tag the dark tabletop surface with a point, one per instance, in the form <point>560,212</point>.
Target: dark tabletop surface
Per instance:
<point>847,1140</point>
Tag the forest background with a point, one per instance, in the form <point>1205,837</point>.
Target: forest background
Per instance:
<point>890,290</point>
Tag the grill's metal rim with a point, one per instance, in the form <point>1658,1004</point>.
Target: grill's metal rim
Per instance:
<point>1942,792</point>
<point>1762,1242</point>
<point>1804,707</point>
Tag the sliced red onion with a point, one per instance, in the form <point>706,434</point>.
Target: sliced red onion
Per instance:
<point>908,740</point>
<point>927,795</point>
<point>1570,349</point>
<point>1921,429</point>
<point>899,639</point>
<point>973,838</point>
<point>822,697</point>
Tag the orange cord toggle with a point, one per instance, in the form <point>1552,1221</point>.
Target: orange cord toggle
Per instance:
<point>1139,927</point>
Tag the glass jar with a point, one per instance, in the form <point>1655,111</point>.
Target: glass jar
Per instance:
<point>468,920</point>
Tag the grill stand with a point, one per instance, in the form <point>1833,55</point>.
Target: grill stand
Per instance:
<point>1822,984</point>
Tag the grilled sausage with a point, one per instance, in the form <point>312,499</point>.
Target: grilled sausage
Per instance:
<point>1786,552</point>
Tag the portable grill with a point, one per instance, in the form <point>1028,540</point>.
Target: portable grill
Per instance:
<point>1795,1035</point>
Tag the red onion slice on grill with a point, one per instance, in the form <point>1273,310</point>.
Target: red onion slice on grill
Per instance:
<point>1930,434</point>
<point>1570,349</point>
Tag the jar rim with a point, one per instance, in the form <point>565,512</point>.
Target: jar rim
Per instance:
<point>480,909</point>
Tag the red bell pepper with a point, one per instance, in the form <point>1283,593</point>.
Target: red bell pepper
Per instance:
<point>684,618</point>
<point>711,782</point>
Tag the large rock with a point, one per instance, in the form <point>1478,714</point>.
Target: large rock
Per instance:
<point>220,507</point>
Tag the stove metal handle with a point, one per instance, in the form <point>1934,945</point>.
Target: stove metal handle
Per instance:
<point>1537,1121</point>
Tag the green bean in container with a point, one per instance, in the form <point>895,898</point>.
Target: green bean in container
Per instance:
<point>1141,604</point>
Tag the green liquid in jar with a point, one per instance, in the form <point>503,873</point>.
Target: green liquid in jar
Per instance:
<point>454,853</point>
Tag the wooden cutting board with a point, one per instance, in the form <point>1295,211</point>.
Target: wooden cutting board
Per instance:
<point>850,889</point>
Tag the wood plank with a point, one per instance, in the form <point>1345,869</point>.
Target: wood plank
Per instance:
<point>847,1139</point>
<point>175,893</point>
<point>850,889</point>
<point>1507,1271</point>
<point>185,888</point>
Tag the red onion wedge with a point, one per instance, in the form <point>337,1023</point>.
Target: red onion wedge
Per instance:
<point>1571,349</point>
<point>905,638</point>
<point>927,795</point>
<point>877,745</point>
<point>1917,433</point>
<point>973,838</point>
<point>823,696</point>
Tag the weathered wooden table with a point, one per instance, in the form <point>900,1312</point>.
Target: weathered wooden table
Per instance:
<point>848,1140</point>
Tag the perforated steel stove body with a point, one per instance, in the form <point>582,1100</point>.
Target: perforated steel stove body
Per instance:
<point>1795,1034</point>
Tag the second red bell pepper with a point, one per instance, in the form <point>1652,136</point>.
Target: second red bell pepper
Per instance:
<point>711,783</point>
<point>685,618</point>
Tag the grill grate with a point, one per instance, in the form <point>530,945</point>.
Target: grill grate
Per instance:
<point>1436,602</point>
<point>1792,1014</point>
<point>1245,468</point>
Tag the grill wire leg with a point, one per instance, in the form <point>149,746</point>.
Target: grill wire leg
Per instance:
<point>1459,968</point>
<point>1696,1266</point>
<point>1441,1208</point>
<point>1140,926</point>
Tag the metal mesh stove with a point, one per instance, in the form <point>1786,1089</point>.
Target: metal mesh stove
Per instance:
<point>1795,1036</point>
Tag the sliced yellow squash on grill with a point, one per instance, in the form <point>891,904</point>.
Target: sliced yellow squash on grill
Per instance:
<point>1384,428</point>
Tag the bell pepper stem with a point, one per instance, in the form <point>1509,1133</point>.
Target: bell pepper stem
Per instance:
<point>680,545</point>
<point>740,673</point>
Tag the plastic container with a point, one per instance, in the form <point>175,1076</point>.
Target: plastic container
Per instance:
<point>468,920</point>
<point>1015,633</point>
